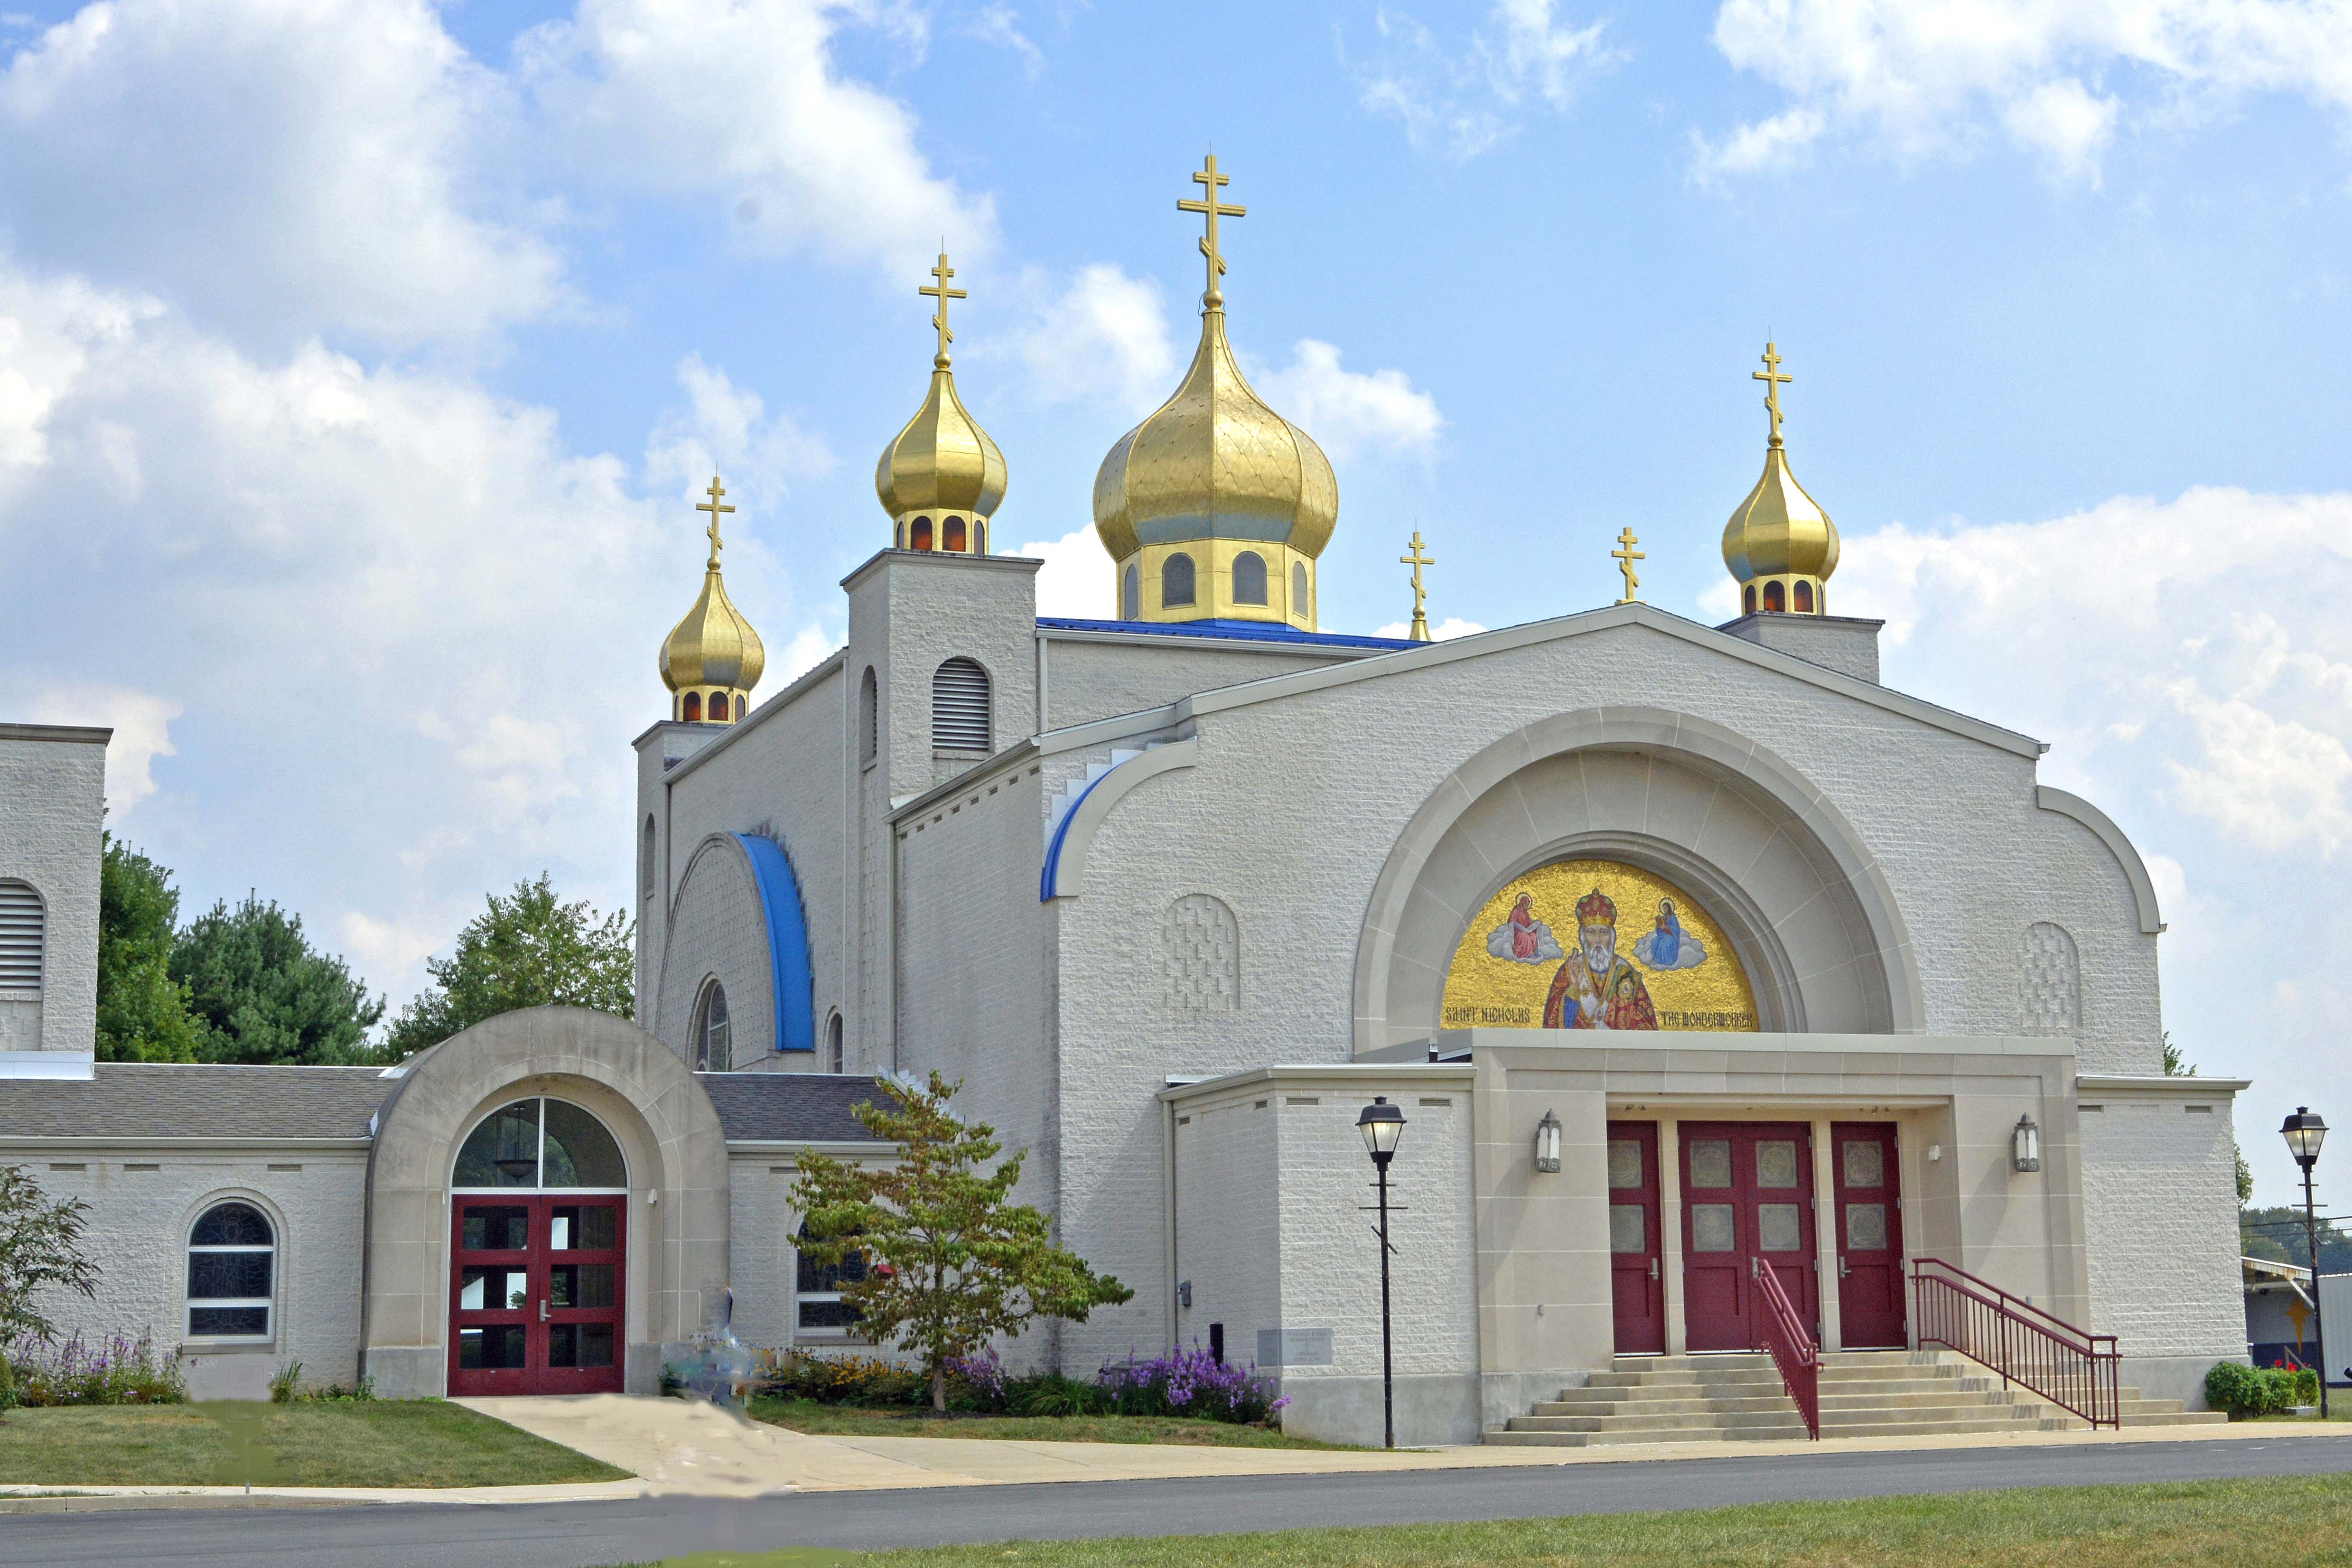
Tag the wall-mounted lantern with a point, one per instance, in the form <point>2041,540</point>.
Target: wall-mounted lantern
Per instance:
<point>1548,1143</point>
<point>2025,1145</point>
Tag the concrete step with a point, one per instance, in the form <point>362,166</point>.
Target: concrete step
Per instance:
<point>1701,1424</point>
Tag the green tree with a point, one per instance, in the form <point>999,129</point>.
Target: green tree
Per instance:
<point>262,994</point>
<point>40,1249</point>
<point>951,1261</point>
<point>2276,1233</point>
<point>529,948</point>
<point>142,1012</point>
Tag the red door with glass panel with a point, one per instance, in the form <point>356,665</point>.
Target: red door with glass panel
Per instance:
<point>1748,1190</point>
<point>1637,1289</point>
<point>1869,1236</point>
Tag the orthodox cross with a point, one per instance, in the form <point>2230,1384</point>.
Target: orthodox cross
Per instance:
<point>942,293</point>
<point>1210,207</point>
<point>1625,555</point>
<point>714,507</point>
<point>1416,560</point>
<point>1773,382</point>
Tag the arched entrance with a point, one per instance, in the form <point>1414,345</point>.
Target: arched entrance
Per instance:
<point>538,1253</point>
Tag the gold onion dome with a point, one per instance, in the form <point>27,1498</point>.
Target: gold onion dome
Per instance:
<point>712,659</point>
<point>942,477</point>
<point>1780,544</point>
<point>1216,506</point>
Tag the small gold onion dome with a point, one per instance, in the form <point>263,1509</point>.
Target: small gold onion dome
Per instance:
<point>712,659</point>
<point>941,478</point>
<point>1779,545</point>
<point>1215,462</point>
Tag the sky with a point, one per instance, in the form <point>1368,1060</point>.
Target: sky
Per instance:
<point>359,361</point>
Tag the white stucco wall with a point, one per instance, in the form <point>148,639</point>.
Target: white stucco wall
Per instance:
<point>52,805</point>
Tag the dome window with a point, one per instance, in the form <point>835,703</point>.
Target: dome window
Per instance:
<point>1775,599</point>
<point>1804,598</point>
<point>1747,599</point>
<point>1176,581</point>
<point>921,537</point>
<point>1302,602</point>
<point>1131,595</point>
<point>1249,578</point>
<point>692,711</point>
<point>956,538</point>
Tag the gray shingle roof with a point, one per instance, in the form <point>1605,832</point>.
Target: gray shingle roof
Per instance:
<point>195,1100</point>
<point>813,1106</point>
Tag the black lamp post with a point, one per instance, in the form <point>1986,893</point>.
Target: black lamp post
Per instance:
<point>2305,1133</point>
<point>1382,1124</point>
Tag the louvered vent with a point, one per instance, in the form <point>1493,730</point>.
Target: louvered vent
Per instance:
<point>20,937</point>
<point>960,707</point>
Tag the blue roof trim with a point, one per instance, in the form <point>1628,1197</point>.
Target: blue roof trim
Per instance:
<point>1230,631</point>
<point>788,946</point>
<point>1061,832</point>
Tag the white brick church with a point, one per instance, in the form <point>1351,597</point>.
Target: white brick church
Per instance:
<point>1797,975</point>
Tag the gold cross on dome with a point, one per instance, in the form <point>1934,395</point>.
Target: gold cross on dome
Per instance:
<point>1625,555</point>
<point>942,293</point>
<point>1416,560</point>
<point>714,507</point>
<point>1773,382</point>
<point>1210,207</point>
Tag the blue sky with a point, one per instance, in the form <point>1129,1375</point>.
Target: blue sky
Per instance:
<point>357,358</point>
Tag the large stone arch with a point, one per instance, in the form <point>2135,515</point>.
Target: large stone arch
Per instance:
<point>1811,915</point>
<point>738,918</point>
<point>670,1135</point>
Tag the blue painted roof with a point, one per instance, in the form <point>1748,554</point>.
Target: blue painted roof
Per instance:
<point>788,947</point>
<point>1230,631</point>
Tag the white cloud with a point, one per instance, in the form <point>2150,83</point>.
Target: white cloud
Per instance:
<point>742,101</point>
<point>999,23</point>
<point>142,723</point>
<point>1077,580</point>
<point>1350,412</point>
<point>809,647</point>
<point>1451,626</point>
<point>1775,144</point>
<point>277,169</point>
<point>1101,335</point>
<point>727,430</point>
<point>1462,101</point>
<point>1924,78</point>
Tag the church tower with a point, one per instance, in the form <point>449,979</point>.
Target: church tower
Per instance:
<point>941,478</point>
<point>1216,508</point>
<point>711,659</point>
<point>1780,545</point>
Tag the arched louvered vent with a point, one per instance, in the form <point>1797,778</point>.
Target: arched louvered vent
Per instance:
<point>960,707</point>
<point>20,937</point>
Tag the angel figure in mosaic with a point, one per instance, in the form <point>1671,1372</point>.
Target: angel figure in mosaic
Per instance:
<point>1522,938</point>
<point>1666,945</point>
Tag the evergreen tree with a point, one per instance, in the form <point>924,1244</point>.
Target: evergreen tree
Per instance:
<point>526,950</point>
<point>262,994</point>
<point>142,1012</point>
<point>949,1261</point>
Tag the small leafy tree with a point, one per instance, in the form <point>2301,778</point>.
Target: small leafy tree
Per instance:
<point>529,948</point>
<point>262,994</point>
<point>40,1249</point>
<point>951,1261</point>
<point>142,1012</point>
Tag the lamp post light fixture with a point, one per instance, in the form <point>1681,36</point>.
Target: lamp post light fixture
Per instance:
<point>1548,1145</point>
<point>2025,1145</point>
<point>1382,1124</point>
<point>2305,1133</point>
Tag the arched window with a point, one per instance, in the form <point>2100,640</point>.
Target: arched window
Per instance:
<point>960,707</point>
<point>956,536</point>
<point>1130,596</point>
<point>1747,599</point>
<point>832,1047</point>
<point>869,719</point>
<point>1804,598</point>
<point>539,1143</point>
<point>979,536</point>
<point>21,936</point>
<point>1301,601</point>
<point>1776,600</point>
<point>1176,581</point>
<point>1249,578</point>
<point>232,1273</point>
<point>645,867</point>
<point>822,1311</point>
<point>922,539</point>
<point>692,711</point>
<point>714,1049</point>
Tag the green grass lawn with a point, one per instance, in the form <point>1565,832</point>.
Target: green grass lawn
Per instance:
<point>2284,1523</point>
<point>383,1443</point>
<point>848,1421</point>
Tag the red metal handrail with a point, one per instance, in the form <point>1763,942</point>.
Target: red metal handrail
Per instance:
<point>1779,1331</point>
<point>2023,1343</point>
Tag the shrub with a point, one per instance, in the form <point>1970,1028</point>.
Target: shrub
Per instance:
<point>1190,1382</point>
<point>839,1379</point>
<point>119,1370</point>
<point>284,1382</point>
<point>1051,1394</point>
<point>286,1388</point>
<point>2246,1391</point>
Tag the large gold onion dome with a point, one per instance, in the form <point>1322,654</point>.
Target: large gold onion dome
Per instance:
<point>942,464</point>
<point>713,653</point>
<point>1780,532</point>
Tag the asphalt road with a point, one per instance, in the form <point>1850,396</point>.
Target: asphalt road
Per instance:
<point>588,1535</point>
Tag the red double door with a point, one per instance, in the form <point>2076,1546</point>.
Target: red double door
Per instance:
<point>535,1294</point>
<point>1748,1199</point>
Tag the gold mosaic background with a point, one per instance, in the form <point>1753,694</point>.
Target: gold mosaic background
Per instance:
<point>1485,992</point>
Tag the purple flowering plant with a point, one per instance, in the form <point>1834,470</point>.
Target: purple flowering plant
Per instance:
<point>115,1369</point>
<point>1190,1382</point>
